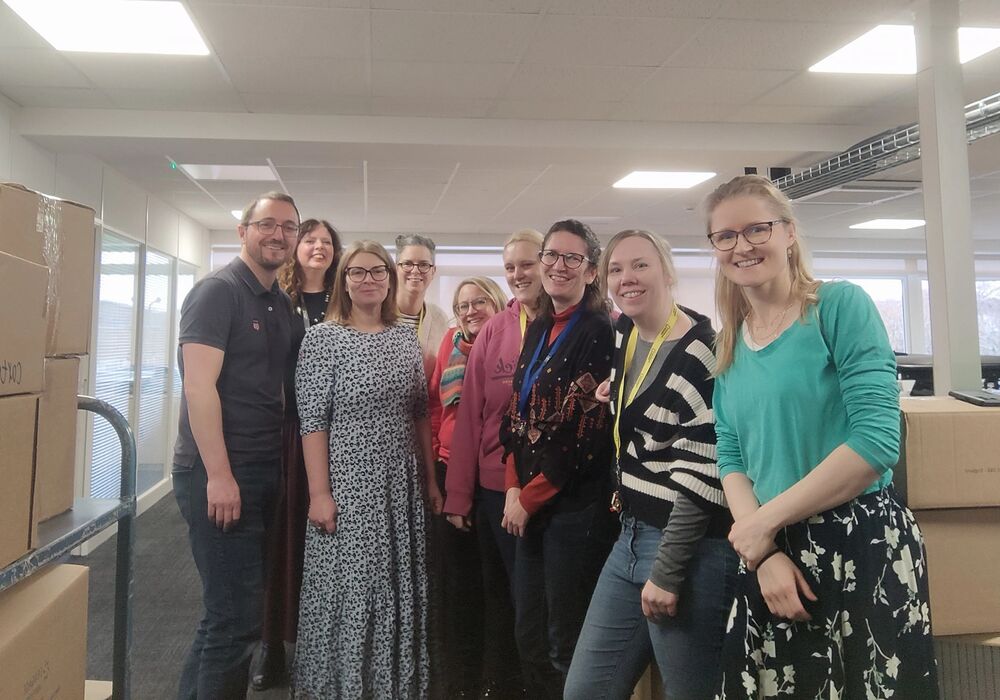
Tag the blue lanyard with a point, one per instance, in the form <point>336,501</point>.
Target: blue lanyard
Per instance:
<point>534,372</point>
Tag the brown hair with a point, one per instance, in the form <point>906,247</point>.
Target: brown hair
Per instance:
<point>291,276</point>
<point>662,252</point>
<point>730,299</point>
<point>275,195</point>
<point>339,310</point>
<point>594,298</point>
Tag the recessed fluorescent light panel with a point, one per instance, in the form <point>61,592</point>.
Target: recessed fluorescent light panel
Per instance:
<point>246,173</point>
<point>237,214</point>
<point>658,180</point>
<point>113,26</point>
<point>890,49</point>
<point>889,224</point>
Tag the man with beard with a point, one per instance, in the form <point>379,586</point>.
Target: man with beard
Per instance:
<point>234,342</point>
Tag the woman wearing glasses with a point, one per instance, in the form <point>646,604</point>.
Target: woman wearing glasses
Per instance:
<point>476,470</point>
<point>308,280</point>
<point>415,272</point>
<point>558,480</point>
<point>667,587</point>
<point>456,570</point>
<point>366,439</point>
<point>832,598</point>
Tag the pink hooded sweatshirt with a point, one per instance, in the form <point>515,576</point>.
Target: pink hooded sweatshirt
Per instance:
<point>476,452</point>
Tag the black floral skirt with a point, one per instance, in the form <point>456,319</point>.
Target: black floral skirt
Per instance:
<point>870,632</point>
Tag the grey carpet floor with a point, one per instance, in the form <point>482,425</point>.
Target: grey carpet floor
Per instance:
<point>166,605</point>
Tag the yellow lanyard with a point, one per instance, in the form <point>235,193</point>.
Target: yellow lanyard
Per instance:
<point>524,324</point>
<point>650,357</point>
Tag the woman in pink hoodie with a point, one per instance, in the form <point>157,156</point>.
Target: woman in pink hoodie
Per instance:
<point>475,477</point>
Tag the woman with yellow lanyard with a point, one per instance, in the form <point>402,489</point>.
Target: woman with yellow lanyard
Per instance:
<point>475,478</point>
<point>667,587</point>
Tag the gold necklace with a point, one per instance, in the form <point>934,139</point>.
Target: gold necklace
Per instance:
<point>772,328</point>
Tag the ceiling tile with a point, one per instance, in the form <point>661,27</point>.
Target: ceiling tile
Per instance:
<point>80,98</point>
<point>338,176</point>
<point>488,6</point>
<point>672,112</point>
<point>290,3</point>
<point>449,38</point>
<point>147,72</point>
<point>15,32</point>
<point>636,8</point>
<point>552,109</point>
<point>429,107</point>
<point>707,85</point>
<point>752,45</point>
<point>838,90</point>
<point>178,100</point>
<point>38,68</point>
<point>429,80</point>
<point>234,30</point>
<point>309,103</point>
<point>608,41</point>
<point>601,83</point>
<point>291,75</point>
<point>870,11</point>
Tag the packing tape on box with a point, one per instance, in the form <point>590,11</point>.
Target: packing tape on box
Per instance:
<point>48,224</point>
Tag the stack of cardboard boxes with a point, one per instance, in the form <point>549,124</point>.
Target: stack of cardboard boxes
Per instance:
<point>47,260</point>
<point>949,475</point>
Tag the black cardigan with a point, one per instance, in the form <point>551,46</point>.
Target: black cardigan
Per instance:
<point>567,436</point>
<point>668,431</point>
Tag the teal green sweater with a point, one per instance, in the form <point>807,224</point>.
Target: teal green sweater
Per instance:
<point>824,382</point>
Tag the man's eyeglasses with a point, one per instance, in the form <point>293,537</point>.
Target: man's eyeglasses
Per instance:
<point>423,267</point>
<point>267,226</point>
<point>477,304</point>
<point>570,260</point>
<point>378,273</point>
<point>754,234</point>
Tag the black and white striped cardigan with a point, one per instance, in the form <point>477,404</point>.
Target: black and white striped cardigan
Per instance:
<point>668,432</point>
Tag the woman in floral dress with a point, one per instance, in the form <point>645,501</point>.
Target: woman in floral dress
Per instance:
<point>832,596</point>
<point>362,399</point>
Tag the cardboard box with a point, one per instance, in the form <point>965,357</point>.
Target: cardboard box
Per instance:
<point>963,569</point>
<point>55,458</point>
<point>58,234</point>
<point>22,325</point>
<point>949,457</point>
<point>43,636</point>
<point>18,416</point>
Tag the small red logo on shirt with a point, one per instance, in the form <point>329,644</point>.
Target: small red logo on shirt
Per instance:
<point>255,324</point>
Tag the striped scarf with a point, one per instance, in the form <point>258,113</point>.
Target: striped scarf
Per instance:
<point>454,374</point>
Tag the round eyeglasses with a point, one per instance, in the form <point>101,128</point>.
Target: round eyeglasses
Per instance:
<point>423,267</point>
<point>378,273</point>
<point>754,234</point>
<point>570,260</point>
<point>478,304</point>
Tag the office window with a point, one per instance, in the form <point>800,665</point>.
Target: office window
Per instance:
<point>114,356</point>
<point>988,313</point>
<point>887,293</point>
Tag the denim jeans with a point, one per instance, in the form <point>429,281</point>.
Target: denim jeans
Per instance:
<point>231,566</point>
<point>556,567</point>
<point>617,642</point>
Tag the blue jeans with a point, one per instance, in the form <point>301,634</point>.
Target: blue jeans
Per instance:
<point>556,568</point>
<point>231,565</point>
<point>617,642</point>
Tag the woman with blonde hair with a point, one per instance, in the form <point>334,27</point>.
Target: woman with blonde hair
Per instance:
<point>832,596</point>
<point>474,494</point>
<point>667,586</point>
<point>456,583</point>
<point>366,440</point>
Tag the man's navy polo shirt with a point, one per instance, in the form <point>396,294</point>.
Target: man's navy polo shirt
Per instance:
<point>230,309</point>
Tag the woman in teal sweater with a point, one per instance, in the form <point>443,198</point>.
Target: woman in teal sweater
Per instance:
<point>832,596</point>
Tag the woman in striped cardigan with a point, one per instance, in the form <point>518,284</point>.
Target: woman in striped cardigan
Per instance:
<point>667,585</point>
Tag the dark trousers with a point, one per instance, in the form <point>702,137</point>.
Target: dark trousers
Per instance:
<point>501,665</point>
<point>231,565</point>
<point>556,568</point>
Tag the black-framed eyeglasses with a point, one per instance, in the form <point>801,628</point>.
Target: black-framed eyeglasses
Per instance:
<point>423,267</point>
<point>570,260</point>
<point>477,304</point>
<point>754,234</point>
<point>267,226</point>
<point>378,273</point>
